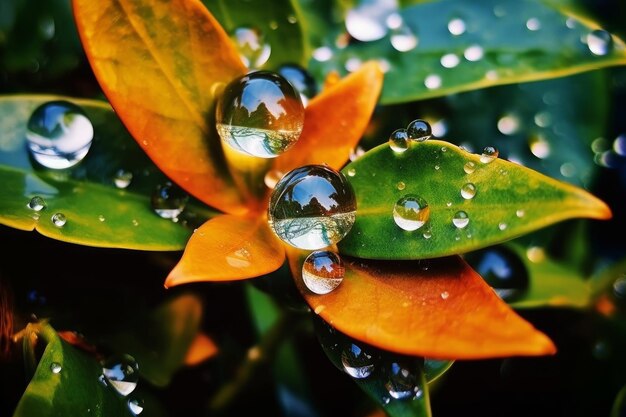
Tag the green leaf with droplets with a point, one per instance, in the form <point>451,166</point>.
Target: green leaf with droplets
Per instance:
<point>502,42</point>
<point>98,213</point>
<point>510,200</point>
<point>279,22</point>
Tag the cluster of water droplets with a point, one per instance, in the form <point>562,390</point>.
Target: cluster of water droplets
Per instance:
<point>417,131</point>
<point>121,372</point>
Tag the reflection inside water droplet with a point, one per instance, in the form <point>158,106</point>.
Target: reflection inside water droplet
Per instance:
<point>600,42</point>
<point>469,167</point>
<point>169,200</point>
<point>322,271</point>
<point>55,367</point>
<point>419,130</point>
<point>468,191</point>
<point>37,203</point>
<point>59,219</point>
<point>460,220</point>
<point>135,405</point>
<point>399,140</point>
<point>122,178</point>
<point>403,378</point>
<point>411,212</point>
<point>254,51</point>
<point>122,373</point>
<point>489,154</point>
<point>357,362</point>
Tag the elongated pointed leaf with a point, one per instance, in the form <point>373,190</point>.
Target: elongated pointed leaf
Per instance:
<point>228,248</point>
<point>492,42</point>
<point>509,200</point>
<point>98,213</point>
<point>438,308</point>
<point>161,65</point>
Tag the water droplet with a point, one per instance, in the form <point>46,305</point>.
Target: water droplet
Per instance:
<point>403,380</point>
<point>450,60</point>
<point>539,146</point>
<point>260,114</point>
<point>469,167</point>
<point>122,373</point>
<point>411,212</point>
<point>403,39</point>
<point>460,220</point>
<point>168,200</point>
<point>273,25</point>
<point>101,218</point>
<point>619,288</point>
<point>568,169</point>
<point>271,178</point>
<point>322,271</point>
<point>600,42</point>
<point>449,204</point>
<point>543,119</point>
<point>432,81</point>
<point>356,153</point>
<point>367,21</point>
<point>502,269</point>
<point>135,406</point>
<point>419,130</point>
<point>468,191</point>
<point>427,234</point>
<point>533,24</point>
<point>351,172</point>
<point>502,226</point>
<point>357,362</point>
<point>292,19</point>
<point>312,207</point>
<point>619,145</point>
<point>122,178</point>
<point>535,254</point>
<point>489,154</point>
<point>437,167</point>
<point>55,367</point>
<point>400,185</point>
<point>570,22</point>
<point>520,213</point>
<point>135,222</point>
<point>444,295</point>
<point>253,49</point>
<point>323,54</point>
<point>59,134</point>
<point>59,219</point>
<point>456,26</point>
<point>300,78</point>
<point>508,124</point>
<point>474,53</point>
<point>399,140</point>
<point>37,203</point>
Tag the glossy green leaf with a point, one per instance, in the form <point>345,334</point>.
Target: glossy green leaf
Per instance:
<point>502,42</point>
<point>510,200</point>
<point>280,23</point>
<point>619,406</point>
<point>98,213</point>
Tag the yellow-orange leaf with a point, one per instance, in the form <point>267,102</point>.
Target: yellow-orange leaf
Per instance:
<point>161,64</point>
<point>228,248</point>
<point>437,308</point>
<point>202,348</point>
<point>335,120</point>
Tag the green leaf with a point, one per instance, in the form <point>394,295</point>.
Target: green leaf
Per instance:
<point>280,23</point>
<point>510,51</point>
<point>98,213</point>
<point>619,406</point>
<point>510,200</point>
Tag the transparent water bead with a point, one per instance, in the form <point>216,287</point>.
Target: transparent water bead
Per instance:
<point>357,362</point>
<point>254,51</point>
<point>122,373</point>
<point>260,114</point>
<point>122,178</point>
<point>403,380</point>
<point>59,134</point>
<point>322,271</point>
<point>367,21</point>
<point>59,219</point>
<point>300,78</point>
<point>399,140</point>
<point>469,167</point>
<point>135,405</point>
<point>502,269</point>
<point>55,368</point>
<point>460,220</point>
<point>312,207</point>
<point>169,200</point>
<point>411,212</point>
<point>37,203</point>
<point>468,191</point>
<point>403,39</point>
<point>419,130</point>
<point>489,154</point>
<point>600,42</point>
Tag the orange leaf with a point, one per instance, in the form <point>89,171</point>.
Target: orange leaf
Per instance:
<point>161,65</point>
<point>202,348</point>
<point>228,248</point>
<point>438,308</point>
<point>335,120</point>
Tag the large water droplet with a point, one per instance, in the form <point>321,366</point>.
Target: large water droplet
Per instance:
<point>59,134</point>
<point>357,362</point>
<point>450,60</point>
<point>419,130</point>
<point>37,203</point>
<point>460,220</point>
<point>533,24</point>
<point>502,269</point>
<point>468,191</point>
<point>456,26</point>
<point>59,219</point>
<point>489,154</point>
<point>253,49</point>
<point>300,79</point>
<point>122,178</point>
<point>312,207</point>
<point>403,380</point>
<point>600,42</point>
<point>135,405</point>
<point>367,21</point>
<point>322,271</point>
<point>469,167</point>
<point>474,53</point>
<point>260,114</point>
<point>411,212</point>
<point>122,373</point>
<point>403,39</point>
<point>168,200</point>
<point>399,140</point>
<point>55,367</point>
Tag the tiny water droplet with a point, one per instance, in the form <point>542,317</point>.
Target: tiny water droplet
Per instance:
<point>403,379</point>
<point>367,21</point>
<point>399,140</point>
<point>419,130</point>
<point>59,219</point>
<point>357,362</point>
<point>460,220</point>
<point>101,218</point>
<point>271,178</point>
<point>59,134</point>
<point>508,124</point>
<point>323,54</point>
<point>273,25</point>
<point>322,271</point>
<point>55,367</point>
<point>432,81</point>
<point>445,295</point>
<point>600,42</point>
<point>122,373</point>
<point>400,185</point>
<point>168,200</point>
<point>474,53</point>
<point>351,172</point>
<point>356,153</point>
<point>456,26</point>
<point>437,167</point>
<point>502,269</point>
<point>403,39</point>
<point>292,19</point>
<point>312,207</point>
<point>135,222</point>
<point>533,24</point>
<point>502,226</point>
<point>520,213</point>
<point>469,167</point>
<point>135,405</point>
<point>254,51</point>
<point>122,178</point>
<point>450,60</point>
<point>37,203</point>
<point>489,154</point>
<point>411,212</point>
<point>427,235</point>
<point>449,204</point>
<point>260,114</point>
<point>468,191</point>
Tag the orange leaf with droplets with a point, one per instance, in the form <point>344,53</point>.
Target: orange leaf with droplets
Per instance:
<point>335,120</point>
<point>161,65</point>
<point>228,248</point>
<point>437,308</point>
